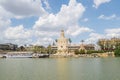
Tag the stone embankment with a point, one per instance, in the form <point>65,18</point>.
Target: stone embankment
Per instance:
<point>107,54</point>
<point>23,54</point>
<point>2,53</point>
<point>60,55</point>
<point>35,55</point>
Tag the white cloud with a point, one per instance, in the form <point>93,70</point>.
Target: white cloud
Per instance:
<point>67,18</point>
<point>4,14</point>
<point>114,32</point>
<point>18,35</point>
<point>108,33</point>
<point>97,3</point>
<point>23,8</point>
<point>18,9</point>
<point>76,30</point>
<point>93,37</point>
<point>43,41</point>
<point>4,18</point>
<point>46,27</point>
<point>46,33</point>
<point>111,17</point>
<point>4,23</point>
<point>18,32</point>
<point>47,6</point>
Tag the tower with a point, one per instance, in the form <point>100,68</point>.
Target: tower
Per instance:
<point>62,44</point>
<point>62,34</point>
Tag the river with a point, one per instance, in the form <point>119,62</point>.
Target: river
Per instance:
<point>60,69</point>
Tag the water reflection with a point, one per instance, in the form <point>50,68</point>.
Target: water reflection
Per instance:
<point>62,69</point>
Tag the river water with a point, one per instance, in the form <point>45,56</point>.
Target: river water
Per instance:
<point>60,69</point>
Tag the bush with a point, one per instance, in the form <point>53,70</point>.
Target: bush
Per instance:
<point>88,52</point>
<point>117,51</point>
<point>93,51</point>
<point>79,51</point>
<point>82,51</point>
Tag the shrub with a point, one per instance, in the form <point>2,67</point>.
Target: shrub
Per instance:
<point>94,51</point>
<point>117,51</point>
<point>82,51</point>
<point>79,51</point>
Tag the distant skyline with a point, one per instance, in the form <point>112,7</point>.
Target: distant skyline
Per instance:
<point>40,21</point>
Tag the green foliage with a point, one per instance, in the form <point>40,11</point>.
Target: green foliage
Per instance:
<point>53,52</point>
<point>49,50</point>
<point>88,52</point>
<point>39,49</point>
<point>70,40</point>
<point>94,51</point>
<point>56,40</point>
<point>109,44</point>
<point>82,51</point>
<point>117,51</point>
<point>21,48</point>
<point>79,51</point>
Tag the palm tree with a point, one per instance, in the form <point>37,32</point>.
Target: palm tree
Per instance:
<point>82,41</point>
<point>56,40</point>
<point>101,44</point>
<point>49,49</point>
<point>70,43</point>
<point>70,40</point>
<point>22,48</point>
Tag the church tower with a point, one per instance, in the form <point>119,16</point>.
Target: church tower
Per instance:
<point>62,34</point>
<point>62,44</point>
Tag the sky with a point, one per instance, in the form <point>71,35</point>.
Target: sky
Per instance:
<point>39,22</point>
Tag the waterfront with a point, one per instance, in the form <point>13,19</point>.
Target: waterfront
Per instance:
<point>60,69</point>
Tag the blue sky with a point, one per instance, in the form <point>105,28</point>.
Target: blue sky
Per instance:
<point>40,21</point>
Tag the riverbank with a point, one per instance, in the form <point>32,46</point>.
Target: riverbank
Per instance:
<point>93,55</point>
<point>38,55</point>
<point>22,54</point>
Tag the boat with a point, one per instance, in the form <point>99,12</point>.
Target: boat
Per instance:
<point>36,55</point>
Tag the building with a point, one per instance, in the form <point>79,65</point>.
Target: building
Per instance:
<point>63,46</point>
<point>109,44</point>
<point>73,47</point>
<point>8,46</point>
<point>4,47</point>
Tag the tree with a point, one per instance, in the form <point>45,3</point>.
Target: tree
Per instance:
<point>70,44</point>
<point>56,40</point>
<point>22,48</point>
<point>80,51</point>
<point>70,40</point>
<point>117,51</point>
<point>49,49</point>
<point>39,49</point>
<point>82,41</point>
<point>101,44</point>
<point>77,52</point>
